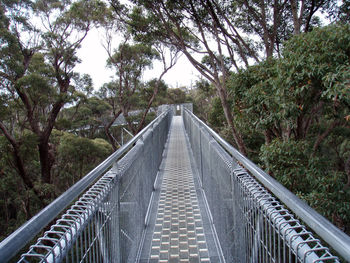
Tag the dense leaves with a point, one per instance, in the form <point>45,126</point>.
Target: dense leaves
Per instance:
<point>76,156</point>
<point>294,116</point>
<point>37,80</point>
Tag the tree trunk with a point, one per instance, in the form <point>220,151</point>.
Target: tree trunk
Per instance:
<point>108,126</point>
<point>347,171</point>
<point>46,161</point>
<point>268,136</point>
<point>110,138</point>
<point>26,207</point>
<point>296,20</point>
<point>140,126</point>
<point>300,128</point>
<point>322,136</point>
<point>18,160</point>
<point>229,118</point>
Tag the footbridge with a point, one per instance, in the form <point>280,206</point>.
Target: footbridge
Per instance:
<point>177,192</point>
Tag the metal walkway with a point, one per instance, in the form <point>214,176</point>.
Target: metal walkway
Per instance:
<point>177,192</point>
<point>178,231</point>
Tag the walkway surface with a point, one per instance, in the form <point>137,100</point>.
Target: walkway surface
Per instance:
<point>181,231</point>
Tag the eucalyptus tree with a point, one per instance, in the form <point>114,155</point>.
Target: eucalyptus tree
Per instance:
<point>130,60</point>
<point>296,112</point>
<point>109,93</point>
<point>203,95</point>
<point>218,37</point>
<point>340,12</point>
<point>39,41</point>
<point>191,27</point>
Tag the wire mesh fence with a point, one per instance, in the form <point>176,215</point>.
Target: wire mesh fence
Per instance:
<point>85,232</point>
<point>251,213</point>
<point>251,222</point>
<point>107,222</point>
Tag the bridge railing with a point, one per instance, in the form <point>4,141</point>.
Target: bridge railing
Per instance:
<point>106,222</point>
<point>256,219</point>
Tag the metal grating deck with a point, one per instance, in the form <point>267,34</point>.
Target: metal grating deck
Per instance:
<point>178,229</point>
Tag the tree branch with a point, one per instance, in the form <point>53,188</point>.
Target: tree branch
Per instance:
<point>322,136</point>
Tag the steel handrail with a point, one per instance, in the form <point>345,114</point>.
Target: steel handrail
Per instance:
<point>10,246</point>
<point>336,238</point>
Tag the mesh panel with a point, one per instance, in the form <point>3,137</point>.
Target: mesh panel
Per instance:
<point>219,184</point>
<point>106,224</point>
<point>251,224</point>
<point>131,210</point>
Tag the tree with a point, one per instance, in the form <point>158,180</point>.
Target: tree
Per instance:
<point>37,80</point>
<point>109,93</point>
<point>300,105</point>
<point>342,12</point>
<point>190,27</point>
<point>130,61</point>
<point>37,70</point>
<point>203,95</point>
<point>73,162</point>
<point>87,117</point>
<point>220,36</point>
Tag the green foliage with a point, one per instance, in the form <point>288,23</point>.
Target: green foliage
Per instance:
<point>255,95</point>
<point>294,112</point>
<point>132,59</point>
<point>202,95</point>
<point>176,96</point>
<point>318,61</point>
<point>216,115</point>
<point>76,156</point>
<point>147,92</point>
<point>37,79</point>
<point>147,27</point>
<point>327,195</point>
<point>89,114</point>
<point>340,11</point>
<point>312,178</point>
<point>288,162</point>
<point>18,203</point>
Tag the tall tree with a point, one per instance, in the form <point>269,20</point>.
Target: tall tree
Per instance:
<point>109,93</point>
<point>191,28</point>
<point>37,69</point>
<point>130,60</point>
<point>228,35</point>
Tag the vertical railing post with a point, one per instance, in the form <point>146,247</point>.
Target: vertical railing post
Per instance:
<point>115,223</point>
<point>239,254</point>
<point>200,166</point>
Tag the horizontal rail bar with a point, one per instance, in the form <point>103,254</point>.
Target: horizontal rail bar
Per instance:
<point>336,238</point>
<point>86,212</point>
<point>288,227</point>
<point>10,246</point>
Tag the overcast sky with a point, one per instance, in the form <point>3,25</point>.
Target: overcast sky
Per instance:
<point>94,57</point>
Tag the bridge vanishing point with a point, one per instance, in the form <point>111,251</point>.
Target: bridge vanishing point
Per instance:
<point>177,192</point>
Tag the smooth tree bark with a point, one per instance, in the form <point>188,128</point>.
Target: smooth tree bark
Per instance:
<point>107,129</point>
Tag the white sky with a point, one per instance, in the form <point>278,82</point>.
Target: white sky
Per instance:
<point>94,57</point>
